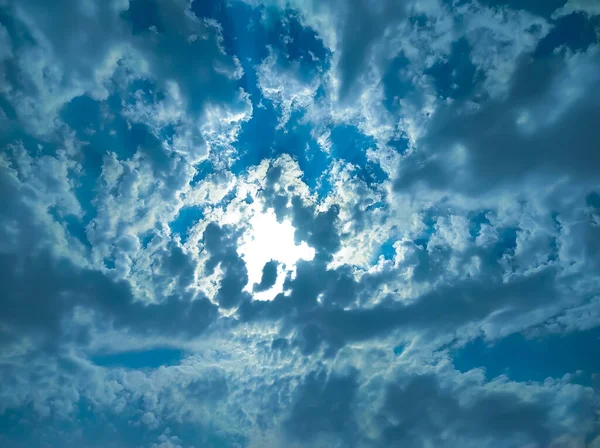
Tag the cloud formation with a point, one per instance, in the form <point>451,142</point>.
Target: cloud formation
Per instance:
<point>257,223</point>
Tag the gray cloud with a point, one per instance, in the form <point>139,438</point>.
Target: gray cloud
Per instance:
<point>537,131</point>
<point>421,412</point>
<point>269,277</point>
<point>40,292</point>
<point>221,243</point>
<point>323,405</point>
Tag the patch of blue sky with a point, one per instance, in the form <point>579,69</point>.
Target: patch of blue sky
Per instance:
<point>186,218</point>
<point>143,14</point>
<point>575,31</point>
<point>387,250</point>
<point>351,145</point>
<point>298,143</point>
<point>399,349</point>
<point>260,139</point>
<point>19,34</point>
<point>203,170</point>
<point>455,77</point>
<point>422,242</point>
<point>230,196</point>
<point>396,86</point>
<point>554,247</point>
<point>13,424</point>
<point>476,222</point>
<point>246,33</point>
<point>324,186</point>
<point>592,200</point>
<point>32,145</point>
<point>146,238</point>
<point>297,43</point>
<point>400,144</point>
<point>507,241</point>
<point>418,20</point>
<point>23,428</point>
<point>86,117</point>
<point>109,263</point>
<point>256,138</point>
<point>141,359</point>
<point>240,26</point>
<point>75,226</point>
<point>145,89</point>
<point>553,250</point>
<point>139,136</point>
<point>424,236</point>
<point>523,359</point>
<point>243,36</point>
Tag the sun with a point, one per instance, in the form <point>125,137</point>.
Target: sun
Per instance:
<point>267,239</point>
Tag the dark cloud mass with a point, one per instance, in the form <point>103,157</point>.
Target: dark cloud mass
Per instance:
<point>304,224</point>
<point>269,276</point>
<point>537,130</point>
<point>422,411</point>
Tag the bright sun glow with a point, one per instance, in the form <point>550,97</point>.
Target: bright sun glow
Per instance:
<point>266,240</point>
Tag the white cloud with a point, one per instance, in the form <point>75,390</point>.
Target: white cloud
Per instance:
<point>284,86</point>
<point>590,7</point>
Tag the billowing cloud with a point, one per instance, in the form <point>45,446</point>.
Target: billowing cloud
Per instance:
<point>305,224</point>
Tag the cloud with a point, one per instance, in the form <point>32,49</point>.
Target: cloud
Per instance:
<point>285,86</point>
<point>586,6</point>
<point>269,276</point>
<point>56,68</point>
<point>422,412</point>
<point>65,287</point>
<point>221,244</point>
<point>264,224</point>
<point>324,405</point>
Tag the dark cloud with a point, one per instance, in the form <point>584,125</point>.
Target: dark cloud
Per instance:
<point>174,264</point>
<point>275,198</point>
<point>162,42</point>
<point>139,136</point>
<point>175,57</point>
<point>73,18</point>
<point>269,277</point>
<point>39,292</point>
<point>444,309</point>
<point>509,140</point>
<point>363,24</point>
<point>323,405</point>
<point>210,387</point>
<point>318,229</point>
<point>221,243</point>
<point>421,412</point>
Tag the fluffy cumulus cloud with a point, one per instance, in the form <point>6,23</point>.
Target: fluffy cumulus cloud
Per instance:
<point>268,223</point>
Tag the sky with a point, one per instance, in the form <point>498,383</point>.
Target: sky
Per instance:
<point>299,223</point>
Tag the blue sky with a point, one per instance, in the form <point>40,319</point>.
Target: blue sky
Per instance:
<point>269,223</point>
